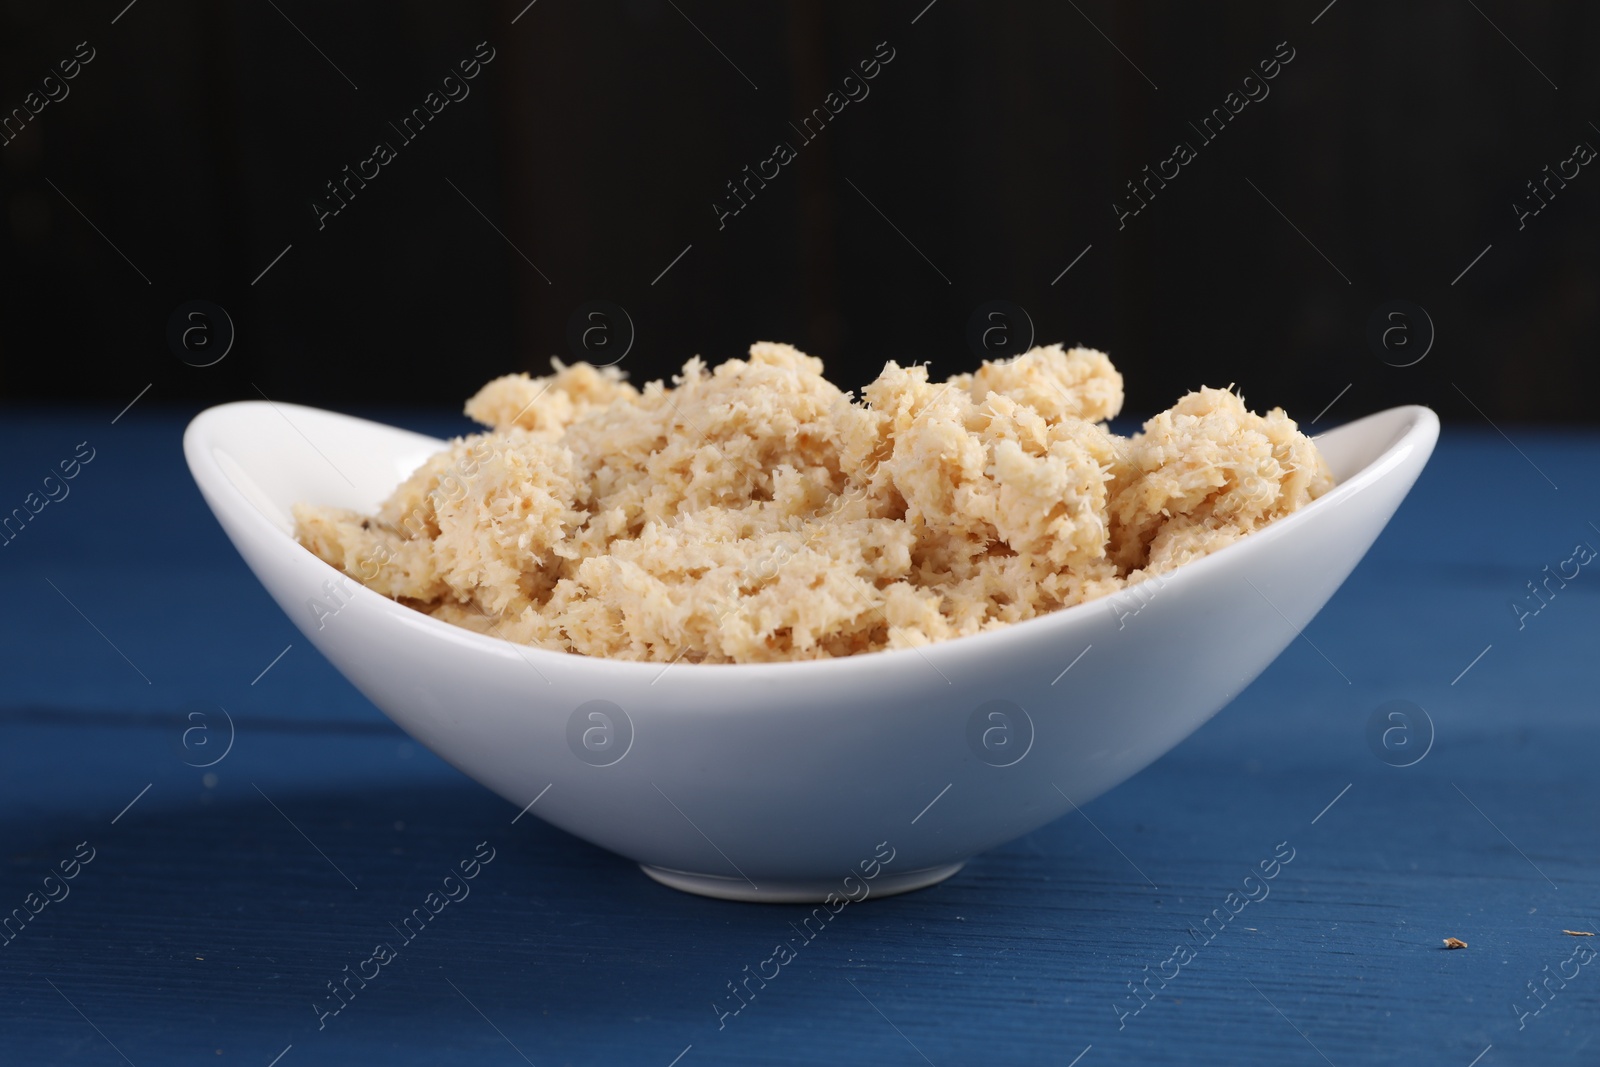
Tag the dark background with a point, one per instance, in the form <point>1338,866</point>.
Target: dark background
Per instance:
<point>995,142</point>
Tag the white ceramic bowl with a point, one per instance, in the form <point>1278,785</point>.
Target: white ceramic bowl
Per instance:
<point>789,781</point>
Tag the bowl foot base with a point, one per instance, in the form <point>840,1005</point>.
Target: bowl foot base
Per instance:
<point>796,891</point>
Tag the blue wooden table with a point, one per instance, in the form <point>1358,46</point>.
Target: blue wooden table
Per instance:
<point>166,911</point>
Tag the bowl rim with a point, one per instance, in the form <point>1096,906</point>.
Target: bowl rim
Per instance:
<point>1419,426</point>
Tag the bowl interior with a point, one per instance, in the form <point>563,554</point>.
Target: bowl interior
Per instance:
<point>278,455</point>
<point>1353,447</point>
